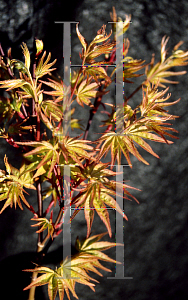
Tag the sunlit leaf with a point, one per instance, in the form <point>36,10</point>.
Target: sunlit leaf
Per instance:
<point>74,148</point>
<point>123,26</point>
<point>95,195</point>
<point>39,46</point>
<point>48,153</point>
<point>44,224</point>
<point>26,55</point>
<point>75,270</point>
<point>81,38</point>
<point>43,68</point>
<point>11,186</point>
<point>58,89</point>
<point>157,73</point>
<point>86,91</point>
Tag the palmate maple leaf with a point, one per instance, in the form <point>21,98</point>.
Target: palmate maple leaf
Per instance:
<point>92,247</point>
<point>87,90</point>
<point>11,185</point>
<point>52,110</point>
<point>125,143</point>
<point>150,125</point>
<point>47,154</point>
<point>75,149</point>
<point>43,68</point>
<point>58,89</point>
<point>18,83</point>
<point>94,50</point>
<point>130,65</point>
<point>158,73</point>
<point>97,71</point>
<point>75,270</point>
<point>153,103</point>
<point>97,193</point>
<point>44,223</point>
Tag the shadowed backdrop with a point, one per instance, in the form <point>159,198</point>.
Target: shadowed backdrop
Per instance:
<point>156,235</point>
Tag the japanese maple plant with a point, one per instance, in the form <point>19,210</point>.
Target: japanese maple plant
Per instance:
<point>32,111</point>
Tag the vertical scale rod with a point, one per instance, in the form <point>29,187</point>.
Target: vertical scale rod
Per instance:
<point>66,79</point>
<point>119,80</point>
<point>66,131</point>
<point>66,220</point>
<point>119,128</point>
<point>66,128</point>
<point>119,226</point>
<point>119,168</point>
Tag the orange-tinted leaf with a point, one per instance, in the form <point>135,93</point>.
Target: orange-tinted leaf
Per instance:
<point>58,89</point>
<point>26,55</point>
<point>81,38</point>
<point>43,68</point>
<point>157,73</point>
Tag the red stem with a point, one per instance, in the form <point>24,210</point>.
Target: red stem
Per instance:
<point>133,93</point>
<point>38,128</point>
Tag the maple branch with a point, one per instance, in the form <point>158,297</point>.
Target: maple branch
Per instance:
<point>50,240</point>
<point>24,111</point>
<point>133,93</point>
<point>40,207</point>
<point>32,290</point>
<point>44,248</point>
<point>38,128</point>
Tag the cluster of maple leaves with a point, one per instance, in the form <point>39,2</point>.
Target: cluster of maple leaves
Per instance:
<point>49,149</point>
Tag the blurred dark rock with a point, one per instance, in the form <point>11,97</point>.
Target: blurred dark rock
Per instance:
<point>156,235</point>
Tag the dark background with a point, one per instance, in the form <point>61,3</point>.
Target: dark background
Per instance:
<point>156,235</point>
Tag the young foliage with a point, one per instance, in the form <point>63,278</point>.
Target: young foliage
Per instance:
<point>35,96</point>
<point>157,73</point>
<point>76,269</point>
<point>12,183</point>
<point>96,194</point>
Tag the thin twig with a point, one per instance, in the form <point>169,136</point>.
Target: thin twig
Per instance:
<point>133,93</point>
<point>24,111</point>
<point>1,50</point>
<point>40,207</point>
